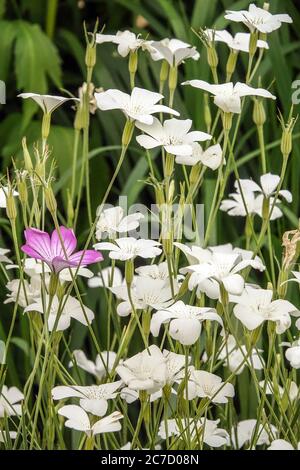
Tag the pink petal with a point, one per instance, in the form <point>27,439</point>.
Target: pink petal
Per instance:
<point>39,241</point>
<point>69,242</point>
<point>86,257</point>
<point>31,252</point>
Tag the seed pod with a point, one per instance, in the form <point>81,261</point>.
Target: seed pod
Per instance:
<point>26,155</point>
<point>231,63</point>
<point>11,209</point>
<point>50,200</point>
<point>127,133</point>
<point>90,55</point>
<point>212,57</point>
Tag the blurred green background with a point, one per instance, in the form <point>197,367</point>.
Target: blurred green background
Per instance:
<point>42,50</point>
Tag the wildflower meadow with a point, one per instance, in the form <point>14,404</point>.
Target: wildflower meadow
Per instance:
<point>149,225</point>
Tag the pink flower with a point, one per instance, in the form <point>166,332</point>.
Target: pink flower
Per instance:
<point>57,255</point>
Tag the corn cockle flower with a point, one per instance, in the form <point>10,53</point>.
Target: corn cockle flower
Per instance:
<point>203,430</point>
<point>57,253</point>
<point>204,384</point>
<point>281,444</point>
<point>145,292</point>
<point>102,366</point>
<point>185,321</point>
<point>113,221</point>
<point>173,135</point>
<point>129,248</point>
<point>48,103</point>
<point>3,257</point>
<point>79,420</point>
<point>211,157</point>
<point>244,431</point>
<point>258,19</point>
<point>227,96</point>
<point>93,398</point>
<point>145,371</point>
<point>255,306</point>
<point>239,42</point>
<point>139,106</point>
<point>126,40</point>
<point>173,51</point>
<point>223,268</point>
<point>9,401</point>
<point>61,312</point>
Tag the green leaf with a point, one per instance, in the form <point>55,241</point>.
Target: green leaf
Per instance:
<point>7,37</point>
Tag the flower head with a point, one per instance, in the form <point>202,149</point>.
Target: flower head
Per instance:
<point>205,384</point>
<point>78,419</point>
<point>113,221</point>
<point>201,429</point>
<point>173,135</point>
<point>48,103</point>
<point>139,106</point>
<point>103,364</point>
<point>258,19</point>
<point>129,248</point>
<point>173,51</point>
<point>211,157</point>
<point>227,96</point>
<point>9,401</point>
<point>239,42</point>
<point>58,250</point>
<point>126,40</point>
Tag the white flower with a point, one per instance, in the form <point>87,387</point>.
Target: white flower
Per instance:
<point>145,371</point>
<point>113,221</point>
<point>129,248</point>
<point>211,157</point>
<point>173,51</point>
<point>254,203</point>
<point>48,103</point>
<point>240,42</point>
<point>61,312</point>
<point>24,292</point>
<point>244,431</point>
<point>222,268</point>
<point>293,354</point>
<point>281,444</point>
<point>255,306</point>
<point>291,388</point>
<point>205,384</point>
<point>234,357</point>
<point>126,41</point>
<point>227,96</point>
<point>3,257</point>
<point>3,196</point>
<point>185,321</point>
<point>202,429</point>
<point>107,277</point>
<point>145,292</point>
<point>9,401</point>
<point>34,267</point>
<point>197,255</point>
<point>93,398</point>
<point>4,438</point>
<point>103,364</point>
<point>258,19</point>
<point>175,364</point>
<point>139,106</point>
<point>173,135</point>
<point>154,271</point>
<point>79,420</point>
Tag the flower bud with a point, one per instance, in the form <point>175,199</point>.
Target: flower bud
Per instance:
<point>227,121</point>
<point>90,55</point>
<point>253,43</point>
<point>129,271</point>
<point>173,78</point>
<point>167,242</point>
<point>127,133</point>
<point>22,190</point>
<point>231,64</point>
<point>46,125</point>
<point>212,57</point>
<point>259,114</point>
<point>133,62</point>
<point>146,319</point>
<point>11,209</point>
<point>164,70</point>
<point>169,165</point>
<point>26,155</point>
<point>286,142</point>
<point>53,284</point>
<point>50,200</point>
<point>266,208</point>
